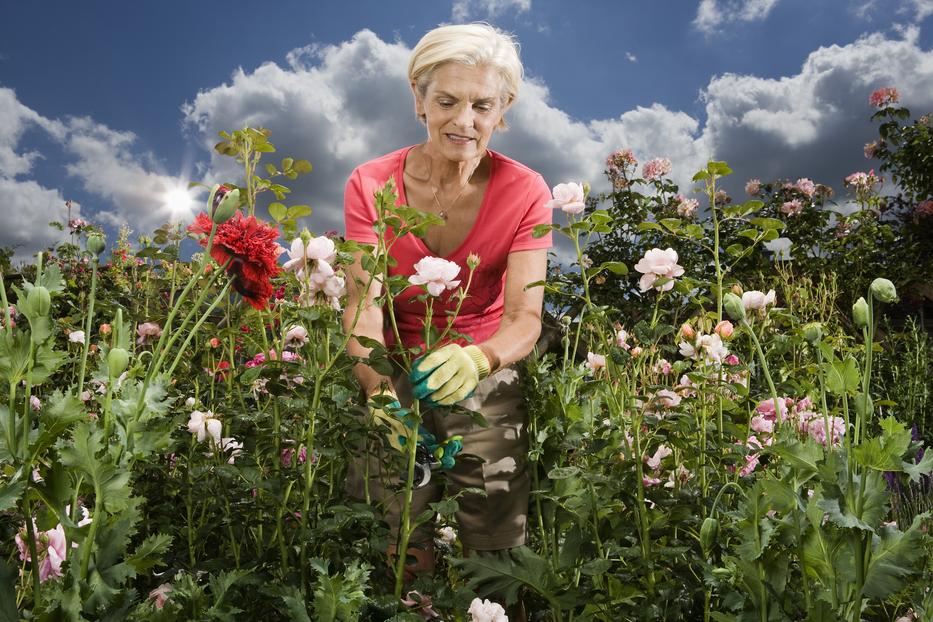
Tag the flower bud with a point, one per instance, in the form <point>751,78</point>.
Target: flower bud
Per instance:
<point>737,290</point>
<point>565,320</point>
<point>96,244</point>
<point>687,331</point>
<point>222,203</point>
<point>813,332</point>
<point>709,532</point>
<point>724,329</point>
<point>106,329</point>
<point>733,306</point>
<point>117,361</point>
<point>472,261</point>
<point>884,290</point>
<point>39,301</point>
<point>860,313</point>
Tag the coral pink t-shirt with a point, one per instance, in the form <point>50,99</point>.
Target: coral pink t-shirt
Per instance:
<point>513,204</point>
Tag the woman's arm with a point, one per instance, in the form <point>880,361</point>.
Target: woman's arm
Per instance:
<point>521,320</point>
<point>370,323</point>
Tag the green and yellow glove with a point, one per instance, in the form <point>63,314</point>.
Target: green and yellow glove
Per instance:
<point>449,374</point>
<point>379,402</point>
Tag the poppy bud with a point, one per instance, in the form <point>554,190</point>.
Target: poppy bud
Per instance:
<point>96,244</point>
<point>884,290</point>
<point>733,306</point>
<point>860,313</point>
<point>813,332</point>
<point>222,203</point>
<point>709,531</point>
<point>39,301</point>
<point>117,361</point>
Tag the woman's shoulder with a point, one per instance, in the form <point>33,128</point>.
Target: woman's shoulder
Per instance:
<point>513,169</point>
<point>383,166</point>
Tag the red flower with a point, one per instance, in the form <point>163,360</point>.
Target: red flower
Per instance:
<point>252,250</point>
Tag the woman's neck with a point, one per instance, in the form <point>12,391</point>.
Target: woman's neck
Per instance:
<point>443,173</point>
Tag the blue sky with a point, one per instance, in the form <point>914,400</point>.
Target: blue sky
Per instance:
<point>112,104</point>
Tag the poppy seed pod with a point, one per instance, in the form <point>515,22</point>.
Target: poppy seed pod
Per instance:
<point>117,361</point>
<point>733,306</point>
<point>860,313</point>
<point>222,203</point>
<point>38,301</point>
<point>96,244</point>
<point>884,290</point>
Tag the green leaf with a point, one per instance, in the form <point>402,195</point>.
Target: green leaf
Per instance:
<point>8,576</point>
<point>10,494</point>
<point>919,469</point>
<point>505,572</point>
<point>841,376</point>
<point>767,223</point>
<point>616,267</point>
<point>893,557</point>
<point>720,169</point>
<point>302,167</point>
<point>884,452</point>
<point>278,212</point>
<point>147,554</point>
<point>299,211</point>
<point>109,482</point>
<point>294,604</point>
<point>271,170</point>
<point>803,457</point>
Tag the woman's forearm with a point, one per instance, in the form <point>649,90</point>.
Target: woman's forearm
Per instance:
<point>515,338</point>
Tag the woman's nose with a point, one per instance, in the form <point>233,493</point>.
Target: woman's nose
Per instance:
<point>464,116</point>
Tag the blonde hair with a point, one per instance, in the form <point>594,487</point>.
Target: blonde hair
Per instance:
<point>474,45</point>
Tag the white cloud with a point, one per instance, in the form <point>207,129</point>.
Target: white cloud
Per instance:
<point>712,14</point>
<point>463,10</point>
<point>922,8</point>
<point>631,57</point>
<point>102,159</point>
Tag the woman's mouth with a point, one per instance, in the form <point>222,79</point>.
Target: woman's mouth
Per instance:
<point>457,139</point>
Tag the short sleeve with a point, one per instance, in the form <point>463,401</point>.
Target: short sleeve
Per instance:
<point>536,213</point>
<point>359,211</point>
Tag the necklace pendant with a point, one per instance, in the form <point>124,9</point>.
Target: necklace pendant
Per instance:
<point>443,215</point>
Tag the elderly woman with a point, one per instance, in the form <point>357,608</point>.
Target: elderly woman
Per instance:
<point>463,78</point>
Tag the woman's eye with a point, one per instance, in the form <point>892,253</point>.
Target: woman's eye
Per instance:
<point>484,108</point>
<point>445,104</point>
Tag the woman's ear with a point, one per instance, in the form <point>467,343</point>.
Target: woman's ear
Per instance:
<point>419,100</point>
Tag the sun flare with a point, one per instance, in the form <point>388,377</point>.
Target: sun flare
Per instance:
<point>178,202</point>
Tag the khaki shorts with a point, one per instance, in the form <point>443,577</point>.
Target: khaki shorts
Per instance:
<point>486,523</point>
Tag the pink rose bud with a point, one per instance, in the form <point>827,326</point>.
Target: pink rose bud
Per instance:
<point>687,331</point>
<point>725,329</point>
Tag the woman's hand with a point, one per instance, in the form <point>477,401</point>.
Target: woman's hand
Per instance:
<point>449,374</point>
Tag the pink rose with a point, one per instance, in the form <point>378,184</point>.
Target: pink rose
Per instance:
<point>753,300</point>
<point>658,263</point>
<point>792,208</point>
<point>686,207</point>
<point>435,274</point>
<point>595,362</point>
<point>724,329</point>
<point>161,595</point>
<point>296,336</point>
<point>658,167</point>
<point>654,461</point>
<point>753,187</point>
<point>568,197</point>
<point>205,425</point>
<point>805,186</point>
<point>486,611</point>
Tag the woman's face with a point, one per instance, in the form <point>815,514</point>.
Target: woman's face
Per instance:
<point>462,107</point>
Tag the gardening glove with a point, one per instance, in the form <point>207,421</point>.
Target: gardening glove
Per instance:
<point>432,456</point>
<point>449,374</point>
<point>398,432</point>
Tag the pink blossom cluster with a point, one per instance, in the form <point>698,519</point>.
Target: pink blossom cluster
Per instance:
<point>753,187</point>
<point>884,96</point>
<point>707,348</point>
<point>862,181</point>
<point>792,207</point>
<point>77,224</point>
<point>289,453</point>
<point>805,186</point>
<point>272,355</point>
<point>51,546</point>
<point>147,331</point>
<point>311,259</point>
<point>656,168</point>
<point>618,164</point>
<point>655,264</point>
<point>686,208</point>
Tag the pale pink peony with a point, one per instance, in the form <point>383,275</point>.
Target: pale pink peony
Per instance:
<point>766,407</point>
<point>658,167</point>
<point>681,475</point>
<point>731,360</point>
<point>148,331</point>
<point>792,208</point>
<point>321,248</point>
<point>636,351</point>
<point>707,347</point>
<point>884,96</point>
<point>76,336</point>
<point>762,424</point>
<point>816,428</point>
<point>34,404</point>
<point>161,595</point>
<point>663,367</point>
<point>435,274</point>
<point>650,481</point>
<point>658,263</point>
<point>686,207</point>
<point>622,339</point>
<point>667,398</point>
<point>447,535</point>
<point>595,362</point>
<point>861,181</point>
<point>805,186</point>
<point>486,611</point>
<point>753,187</point>
<point>754,300</point>
<point>568,197</point>
<point>51,547</point>
<point>205,425</point>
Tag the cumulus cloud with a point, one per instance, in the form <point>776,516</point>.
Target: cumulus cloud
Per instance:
<point>463,10</point>
<point>104,161</point>
<point>713,14</point>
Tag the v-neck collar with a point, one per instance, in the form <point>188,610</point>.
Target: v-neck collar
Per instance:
<point>400,183</point>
